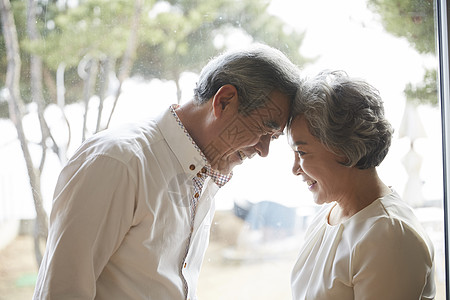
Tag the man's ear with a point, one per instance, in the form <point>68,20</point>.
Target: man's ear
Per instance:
<point>226,98</point>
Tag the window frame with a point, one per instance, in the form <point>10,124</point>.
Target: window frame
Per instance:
<point>443,31</point>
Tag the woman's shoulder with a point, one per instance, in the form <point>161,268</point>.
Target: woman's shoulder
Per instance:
<point>390,209</point>
<point>390,221</point>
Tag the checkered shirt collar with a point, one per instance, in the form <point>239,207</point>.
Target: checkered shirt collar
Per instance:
<point>219,178</point>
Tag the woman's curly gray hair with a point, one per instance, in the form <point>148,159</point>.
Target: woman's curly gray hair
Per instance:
<point>347,116</point>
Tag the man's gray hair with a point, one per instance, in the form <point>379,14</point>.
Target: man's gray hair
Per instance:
<point>255,72</point>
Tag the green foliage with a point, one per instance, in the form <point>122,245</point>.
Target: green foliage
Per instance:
<point>19,11</point>
<point>177,39</point>
<point>174,36</point>
<point>3,60</point>
<point>4,113</point>
<point>252,17</point>
<point>425,92</point>
<point>182,37</point>
<point>414,20</point>
<point>94,28</point>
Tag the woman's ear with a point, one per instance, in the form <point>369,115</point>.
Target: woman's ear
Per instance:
<point>225,99</point>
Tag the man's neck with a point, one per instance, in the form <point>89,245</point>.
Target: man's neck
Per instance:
<point>194,119</point>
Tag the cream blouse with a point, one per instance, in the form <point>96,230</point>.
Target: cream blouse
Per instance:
<point>382,252</point>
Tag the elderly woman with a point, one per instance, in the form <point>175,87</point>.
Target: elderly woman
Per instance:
<point>365,242</point>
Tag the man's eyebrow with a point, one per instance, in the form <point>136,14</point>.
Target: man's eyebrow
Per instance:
<point>272,125</point>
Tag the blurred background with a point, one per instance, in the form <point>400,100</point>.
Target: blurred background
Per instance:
<point>71,68</point>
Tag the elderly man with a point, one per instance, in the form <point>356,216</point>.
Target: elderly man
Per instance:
<point>133,207</point>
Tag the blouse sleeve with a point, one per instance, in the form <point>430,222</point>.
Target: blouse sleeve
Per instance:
<point>92,212</point>
<point>392,261</point>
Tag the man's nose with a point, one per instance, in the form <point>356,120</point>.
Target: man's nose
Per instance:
<point>262,148</point>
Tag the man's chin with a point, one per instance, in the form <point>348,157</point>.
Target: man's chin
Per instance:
<point>234,164</point>
<point>226,168</point>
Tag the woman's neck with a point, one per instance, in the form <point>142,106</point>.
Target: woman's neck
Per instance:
<point>364,188</point>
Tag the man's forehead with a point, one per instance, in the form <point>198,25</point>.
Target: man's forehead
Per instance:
<point>272,113</point>
<point>275,107</point>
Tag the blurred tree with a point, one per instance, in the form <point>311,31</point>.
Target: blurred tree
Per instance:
<point>93,34</point>
<point>413,20</point>
<point>16,113</point>
<point>159,39</point>
<point>95,45</point>
<point>181,35</point>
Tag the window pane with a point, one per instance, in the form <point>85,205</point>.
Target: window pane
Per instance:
<point>263,212</point>
<point>366,42</point>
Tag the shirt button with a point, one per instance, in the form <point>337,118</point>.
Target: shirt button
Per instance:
<point>192,167</point>
<point>199,175</point>
<point>185,265</point>
<point>196,195</point>
<point>203,170</point>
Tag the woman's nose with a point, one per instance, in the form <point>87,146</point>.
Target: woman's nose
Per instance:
<point>296,168</point>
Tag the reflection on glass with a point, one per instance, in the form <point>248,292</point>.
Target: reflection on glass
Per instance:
<point>80,56</point>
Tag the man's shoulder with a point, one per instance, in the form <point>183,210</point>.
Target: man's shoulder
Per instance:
<point>122,142</point>
<point>133,135</point>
